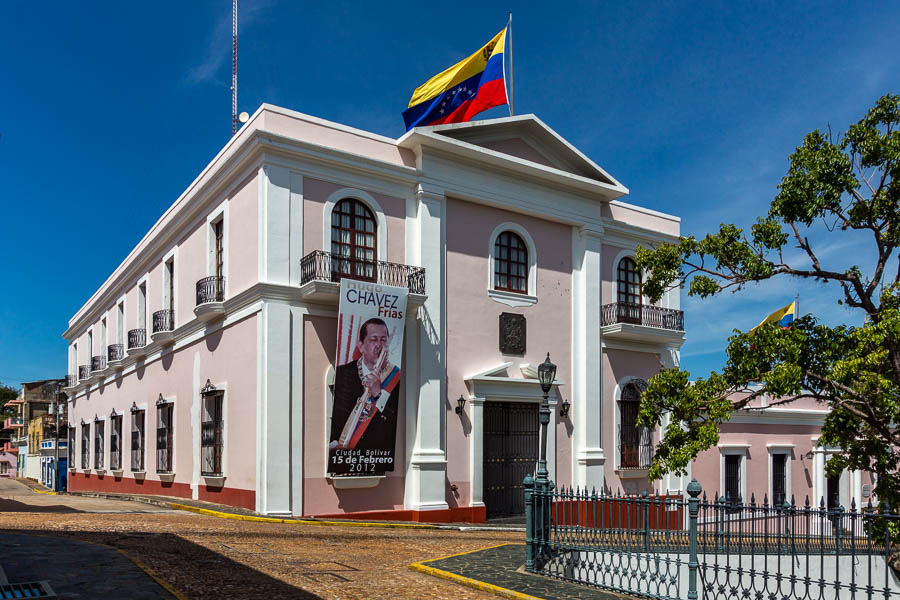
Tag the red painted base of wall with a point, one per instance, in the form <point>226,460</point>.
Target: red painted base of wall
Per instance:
<point>462,514</point>
<point>81,482</point>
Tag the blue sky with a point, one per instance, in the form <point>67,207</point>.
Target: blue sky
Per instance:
<point>109,110</point>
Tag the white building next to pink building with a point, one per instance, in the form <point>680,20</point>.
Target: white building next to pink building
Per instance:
<point>202,367</point>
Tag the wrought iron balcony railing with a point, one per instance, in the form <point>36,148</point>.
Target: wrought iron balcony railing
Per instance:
<point>211,289</point>
<point>115,352</point>
<point>84,372</point>
<point>98,363</point>
<point>635,455</point>
<point>137,338</point>
<point>163,320</point>
<point>639,314</point>
<point>325,266</point>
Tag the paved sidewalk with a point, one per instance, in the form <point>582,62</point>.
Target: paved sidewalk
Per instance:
<point>76,570</point>
<point>502,567</point>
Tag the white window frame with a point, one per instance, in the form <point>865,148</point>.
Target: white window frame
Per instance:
<point>165,475</point>
<point>122,326</point>
<point>367,199</point>
<point>141,323</point>
<point>140,407</point>
<point>787,449</point>
<point>219,214</point>
<point>513,299</point>
<point>742,450</point>
<point>172,256</point>
<point>223,389</point>
<point>617,420</point>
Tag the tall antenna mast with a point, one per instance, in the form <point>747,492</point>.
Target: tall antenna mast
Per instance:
<point>234,115</point>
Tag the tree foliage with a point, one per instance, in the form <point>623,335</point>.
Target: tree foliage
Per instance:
<point>835,187</point>
<point>7,393</point>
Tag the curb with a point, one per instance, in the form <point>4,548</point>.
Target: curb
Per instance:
<point>238,517</point>
<point>223,515</point>
<point>37,491</point>
<point>468,581</point>
<point>162,582</point>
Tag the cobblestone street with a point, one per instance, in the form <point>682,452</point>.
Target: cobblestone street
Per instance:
<point>208,557</point>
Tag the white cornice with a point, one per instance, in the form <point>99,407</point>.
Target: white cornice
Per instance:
<point>416,140</point>
<point>784,416</point>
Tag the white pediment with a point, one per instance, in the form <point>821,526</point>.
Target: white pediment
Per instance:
<point>496,383</point>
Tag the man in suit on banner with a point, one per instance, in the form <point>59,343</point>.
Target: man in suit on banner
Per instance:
<point>366,395</point>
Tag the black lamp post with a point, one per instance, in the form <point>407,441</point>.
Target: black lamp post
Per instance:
<point>546,375</point>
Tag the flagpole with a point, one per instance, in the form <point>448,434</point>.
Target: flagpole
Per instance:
<point>511,90</point>
<point>797,306</point>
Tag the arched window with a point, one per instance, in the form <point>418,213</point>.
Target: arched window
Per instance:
<point>629,292</point>
<point>510,263</point>
<point>353,241</point>
<point>635,447</point>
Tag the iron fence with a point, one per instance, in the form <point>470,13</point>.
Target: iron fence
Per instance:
<point>642,314</point>
<point>326,266</point>
<point>672,547</point>
<point>164,320</point>
<point>137,338</point>
<point>211,289</point>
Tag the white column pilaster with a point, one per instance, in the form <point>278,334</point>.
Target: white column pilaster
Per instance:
<point>587,368</point>
<point>427,472</point>
<point>476,451</point>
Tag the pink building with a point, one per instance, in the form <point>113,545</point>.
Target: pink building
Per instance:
<point>773,452</point>
<point>202,367</point>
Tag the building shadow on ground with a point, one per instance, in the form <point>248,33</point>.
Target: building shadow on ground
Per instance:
<point>85,570</point>
<point>8,505</point>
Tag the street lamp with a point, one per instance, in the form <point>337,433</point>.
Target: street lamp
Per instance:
<point>546,375</point>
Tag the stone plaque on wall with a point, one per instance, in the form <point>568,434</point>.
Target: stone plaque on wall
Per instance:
<point>512,333</point>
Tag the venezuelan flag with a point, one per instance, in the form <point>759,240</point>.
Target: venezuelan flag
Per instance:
<point>462,91</point>
<point>783,316</point>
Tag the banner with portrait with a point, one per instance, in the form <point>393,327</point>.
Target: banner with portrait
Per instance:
<point>367,378</point>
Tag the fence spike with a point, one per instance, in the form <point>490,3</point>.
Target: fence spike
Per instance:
<point>792,501</point>
<point>869,507</point>
<point>853,505</point>
<point>752,499</point>
<point>807,502</point>
<point>822,503</point>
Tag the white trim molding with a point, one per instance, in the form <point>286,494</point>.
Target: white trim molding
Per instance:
<point>512,298</point>
<point>367,199</point>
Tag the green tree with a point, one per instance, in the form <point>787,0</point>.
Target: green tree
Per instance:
<point>7,393</point>
<point>843,186</point>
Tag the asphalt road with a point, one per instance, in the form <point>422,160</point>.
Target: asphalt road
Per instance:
<point>16,496</point>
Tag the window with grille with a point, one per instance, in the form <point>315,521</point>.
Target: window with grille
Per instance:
<point>353,241</point>
<point>137,440</point>
<point>779,479</point>
<point>212,427</point>
<point>70,449</point>
<point>98,444</point>
<point>635,446</point>
<point>164,438</point>
<point>115,443</point>
<point>629,292</point>
<point>85,446</point>
<point>510,263</point>
<point>733,478</point>
<point>219,233</point>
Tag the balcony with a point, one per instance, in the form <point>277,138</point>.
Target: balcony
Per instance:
<point>13,423</point>
<point>642,323</point>
<point>321,274</point>
<point>84,372</point>
<point>137,341</point>
<point>115,354</point>
<point>8,447</point>
<point>210,298</point>
<point>98,365</point>
<point>71,382</point>
<point>163,327</point>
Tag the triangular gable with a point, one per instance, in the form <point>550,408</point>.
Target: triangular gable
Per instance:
<point>527,138</point>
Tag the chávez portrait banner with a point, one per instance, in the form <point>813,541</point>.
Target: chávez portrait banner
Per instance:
<point>367,378</point>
